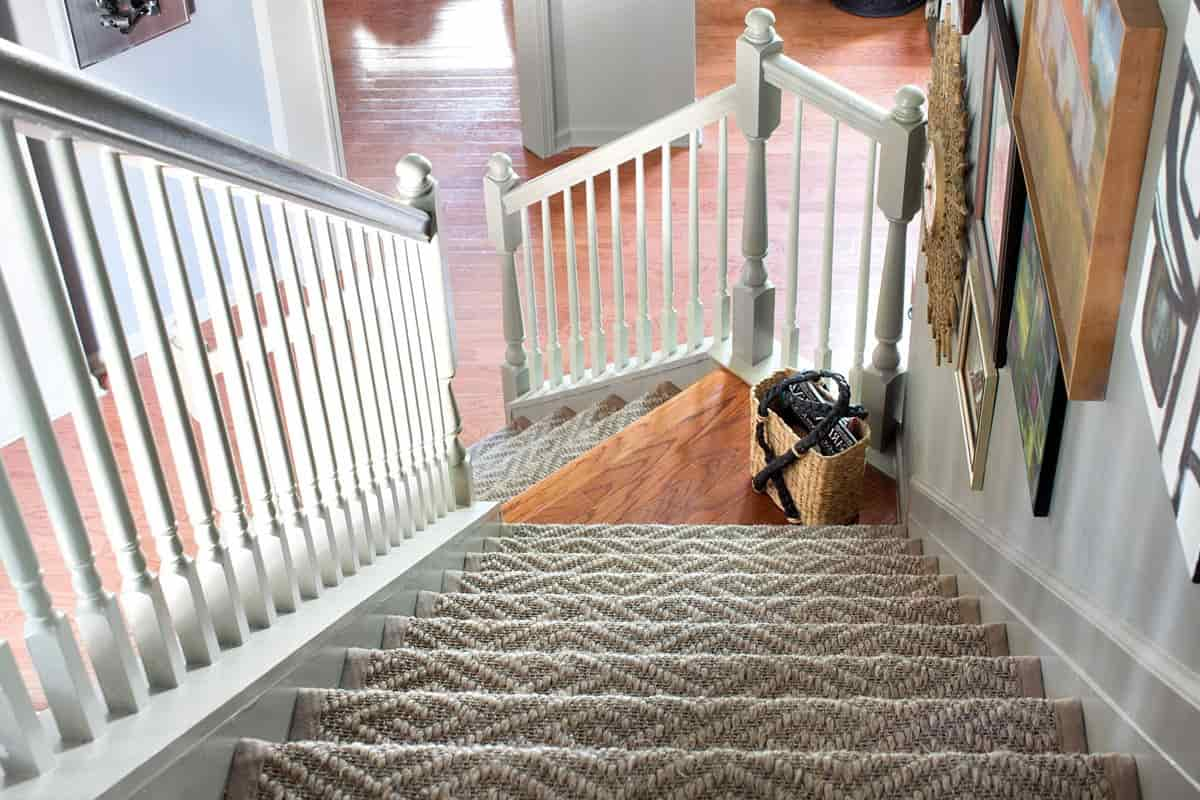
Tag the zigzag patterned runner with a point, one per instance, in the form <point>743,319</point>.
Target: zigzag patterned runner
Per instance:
<point>686,723</point>
<point>650,546</point>
<point>710,584</point>
<point>810,564</point>
<point>703,675</point>
<point>692,637</point>
<point>698,608</point>
<point>315,769</point>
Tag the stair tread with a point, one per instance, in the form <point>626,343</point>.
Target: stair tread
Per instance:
<point>697,637</point>
<point>713,584</point>
<point>479,771</point>
<point>524,530</point>
<point>1021,725</point>
<point>780,609</point>
<point>634,562</point>
<point>696,675</point>
<point>616,545</point>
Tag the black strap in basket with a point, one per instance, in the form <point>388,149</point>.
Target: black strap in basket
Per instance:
<point>831,415</point>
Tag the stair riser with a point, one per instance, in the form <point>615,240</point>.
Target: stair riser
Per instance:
<point>859,725</point>
<point>720,532</point>
<point>611,545</point>
<point>817,564</point>
<point>697,608</point>
<point>835,677</point>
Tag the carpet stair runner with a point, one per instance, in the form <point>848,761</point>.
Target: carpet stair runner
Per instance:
<point>513,459</point>
<point>830,663</point>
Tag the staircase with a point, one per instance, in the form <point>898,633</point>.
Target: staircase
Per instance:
<point>688,661</point>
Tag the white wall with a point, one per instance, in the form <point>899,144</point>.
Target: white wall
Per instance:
<point>614,66</point>
<point>1111,535</point>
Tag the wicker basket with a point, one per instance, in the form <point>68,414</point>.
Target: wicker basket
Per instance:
<point>826,490</point>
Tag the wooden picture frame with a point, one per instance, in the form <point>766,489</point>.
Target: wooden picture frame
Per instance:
<point>999,198</point>
<point>975,375</point>
<point>1039,387</point>
<point>1083,106</point>
<point>969,12</point>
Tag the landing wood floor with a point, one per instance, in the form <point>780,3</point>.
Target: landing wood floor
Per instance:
<point>438,77</point>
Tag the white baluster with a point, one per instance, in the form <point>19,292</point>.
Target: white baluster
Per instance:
<point>504,232</point>
<point>599,349</point>
<point>695,307</point>
<point>301,331</point>
<point>791,331</point>
<point>575,337</point>
<point>399,367</point>
<point>721,301</point>
<point>621,332</point>
<point>758,106</point>
<point>25,749</point>
<point>105,634</point>
<point>337,382</point>
<point>178,576</point>
<point>74,702</point>
<point>271,538</point>
<point>299,426</point>
<point>644,332</point>
<point>670,322</point>
<point>305,556</point>
<point>230,577</point>
<point>350,244</point>
<point>823,356</point>
<point>370,301</point>
<point>332,263</point>
<point>141,595</point>
<point>536,374</point>
<point>864,273</point>
<point>553,348</point>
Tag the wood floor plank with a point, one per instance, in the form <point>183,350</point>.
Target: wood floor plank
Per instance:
<point>686,462</point>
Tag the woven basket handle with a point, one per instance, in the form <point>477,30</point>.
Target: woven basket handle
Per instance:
<point>831,415</point>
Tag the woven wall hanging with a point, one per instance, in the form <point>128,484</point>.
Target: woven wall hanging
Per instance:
<point>943,238</point>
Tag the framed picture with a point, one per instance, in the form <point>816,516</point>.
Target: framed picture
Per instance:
<point>969,12</point>
<point>1039,388</point>
<point>999,201</point>
<point>974,373</point>
<point>1082,108</point>
<point>1167,316</point>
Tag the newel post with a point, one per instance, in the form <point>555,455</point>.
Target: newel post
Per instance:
<point>901,180</point>
<point>504,229</point>
<point>417,188</point>
<point>758,107</point>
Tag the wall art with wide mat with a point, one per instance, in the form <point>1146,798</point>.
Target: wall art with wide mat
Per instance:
<point>1083,104</point>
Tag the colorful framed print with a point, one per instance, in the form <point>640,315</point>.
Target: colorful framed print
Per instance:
<point>1000,184</point>
<point>1039,388</point>
<point>1082,108</point>
<point>974,373</point>
<point>1166,319</point>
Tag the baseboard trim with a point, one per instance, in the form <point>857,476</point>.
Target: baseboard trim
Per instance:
<point>1138,699</point>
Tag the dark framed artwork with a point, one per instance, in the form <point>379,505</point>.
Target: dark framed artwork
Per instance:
<point>1167,316</point>
<point>1039,388</point>
<point>1087,76</point>
<point>969,12</point>
<point>999,202</point>
<point>975,375</point>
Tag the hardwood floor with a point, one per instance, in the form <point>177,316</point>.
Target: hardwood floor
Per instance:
<point>437,77</point>
<point>686,462</point>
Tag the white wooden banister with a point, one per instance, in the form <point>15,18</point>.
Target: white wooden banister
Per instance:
<point>599,349</point>
<point>178,574</point>
<point>506,232</point>
<point>836,100</point>
<point>823,355</point>
<point>25,748</point>
<point>695,312</point>
<point>620,328</point>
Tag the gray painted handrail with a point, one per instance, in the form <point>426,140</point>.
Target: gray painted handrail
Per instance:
<point>38,91</point>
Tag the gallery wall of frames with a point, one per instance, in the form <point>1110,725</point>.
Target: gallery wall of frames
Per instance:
<point>1062,140</point>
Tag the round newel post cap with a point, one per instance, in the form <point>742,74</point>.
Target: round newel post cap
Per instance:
<point>500,168</point>
<point>909,101</point>
<point>412,175</point>
<point>760,25</point>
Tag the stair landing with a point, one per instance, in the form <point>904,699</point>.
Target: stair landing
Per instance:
<point>686,462</point>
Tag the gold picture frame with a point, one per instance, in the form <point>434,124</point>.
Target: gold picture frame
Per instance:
<point>1083,104</point>
<point>975,374</point>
